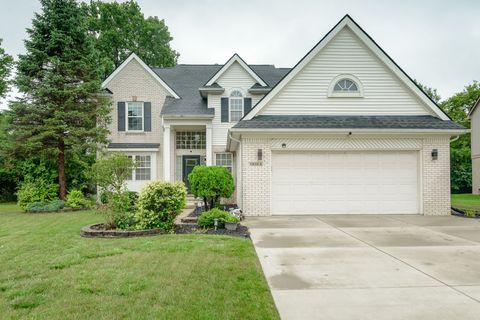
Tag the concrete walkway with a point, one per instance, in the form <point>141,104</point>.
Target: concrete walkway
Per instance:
<point>371,267</point>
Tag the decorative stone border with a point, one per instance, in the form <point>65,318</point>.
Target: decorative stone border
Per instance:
<point>96,231</point>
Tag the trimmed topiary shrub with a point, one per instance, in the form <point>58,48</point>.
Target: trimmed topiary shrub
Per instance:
<point>36,191</point>
<point>76,200</point>
<point>159,203</point>
<point>206,218</point>
<point>211,183</point>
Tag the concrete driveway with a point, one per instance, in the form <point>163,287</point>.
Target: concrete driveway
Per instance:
<point>370,266</point>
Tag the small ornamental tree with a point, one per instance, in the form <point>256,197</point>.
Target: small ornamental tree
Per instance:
<point>211,183</point>
<point>111,172</point>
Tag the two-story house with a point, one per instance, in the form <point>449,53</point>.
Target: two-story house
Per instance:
<point>343,131</point>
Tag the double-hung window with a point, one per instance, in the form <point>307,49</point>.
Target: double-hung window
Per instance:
<point>236,106</point>
<point>143,168</point>
<point>135,116</point>
<point>224,160</point>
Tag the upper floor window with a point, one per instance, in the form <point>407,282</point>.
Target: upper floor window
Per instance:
<point>345,85</point>
<point>236,106</point>
<point>135,116</point>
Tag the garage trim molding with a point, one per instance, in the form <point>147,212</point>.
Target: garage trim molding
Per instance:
<point>346,144</point>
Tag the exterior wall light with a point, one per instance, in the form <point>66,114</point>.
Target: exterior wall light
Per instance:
<point>434,154</point>
<point>259,155</point>
<point>284,145</point>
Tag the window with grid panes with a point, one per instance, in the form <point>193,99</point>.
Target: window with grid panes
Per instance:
<point>224,160</point>
<point>191,140</point>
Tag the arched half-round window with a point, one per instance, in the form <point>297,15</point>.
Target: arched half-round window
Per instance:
<point>345,86</point>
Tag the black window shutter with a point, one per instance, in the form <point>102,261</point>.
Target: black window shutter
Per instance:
<point>224,109</point>
<point>147,116</point>
<point>247,105</point>
<point>121,116</point>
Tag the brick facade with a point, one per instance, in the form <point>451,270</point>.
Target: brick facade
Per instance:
<point>436,176</point>
<point>133,82</point>
<point>256,177</point>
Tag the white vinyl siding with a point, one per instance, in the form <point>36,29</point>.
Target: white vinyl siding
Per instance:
<point>362,182</point>
<point>307,93</point>
<point>234,77</point>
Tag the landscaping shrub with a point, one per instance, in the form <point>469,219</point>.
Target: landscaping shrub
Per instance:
<point>51,206</point>
<point>206,218</point>
<point>36,191</point>
<point>76,200</point>
<point>211,183</point>
<point>159,203</point>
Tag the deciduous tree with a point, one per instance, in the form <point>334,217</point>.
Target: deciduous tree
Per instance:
<point>121,28</point>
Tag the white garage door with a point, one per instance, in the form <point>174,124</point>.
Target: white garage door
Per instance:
<point>345,182</point>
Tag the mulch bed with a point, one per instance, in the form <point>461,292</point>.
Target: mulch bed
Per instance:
<point>99,231</point>
<point>460,213</point>
<point>192,228</point>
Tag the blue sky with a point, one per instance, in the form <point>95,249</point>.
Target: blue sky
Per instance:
<point>436,42</point>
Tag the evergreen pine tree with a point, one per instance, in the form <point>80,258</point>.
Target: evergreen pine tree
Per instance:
<point>62,108</point>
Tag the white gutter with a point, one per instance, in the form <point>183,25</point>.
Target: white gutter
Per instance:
<point>347,131</point>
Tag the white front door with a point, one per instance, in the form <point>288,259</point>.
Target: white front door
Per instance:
<point>357,182</point>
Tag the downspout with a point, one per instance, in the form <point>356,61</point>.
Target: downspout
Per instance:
<point>239,161</point>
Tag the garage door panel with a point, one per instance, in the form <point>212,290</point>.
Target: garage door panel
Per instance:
<point>345,182</point>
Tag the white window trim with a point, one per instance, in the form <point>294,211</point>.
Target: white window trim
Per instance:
<point>345,94</point>
<point>126,116</point>
<point>230,98</point>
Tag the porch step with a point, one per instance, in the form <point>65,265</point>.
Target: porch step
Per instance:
<point>191,201</point>
<point>189,220</point>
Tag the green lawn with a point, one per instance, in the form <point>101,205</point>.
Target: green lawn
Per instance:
<point>47,271</point>
<point>466,201</point>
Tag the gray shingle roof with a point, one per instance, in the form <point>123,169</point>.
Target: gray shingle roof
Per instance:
<point>133,145</point>
<point>347,122</point>
<point>187,79</point>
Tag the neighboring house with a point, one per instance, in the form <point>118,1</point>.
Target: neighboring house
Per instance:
<point>344,131</point>
<point>474,116</point>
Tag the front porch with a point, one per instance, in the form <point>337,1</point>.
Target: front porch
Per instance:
<point>186,145</point>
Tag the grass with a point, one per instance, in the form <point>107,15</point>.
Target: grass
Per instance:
<point>466,201</point>
<point>47,271</point>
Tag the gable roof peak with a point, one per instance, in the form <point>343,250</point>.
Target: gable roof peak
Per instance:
<point>235,58</point>
<point>131,57</point>
<point>347,21</point>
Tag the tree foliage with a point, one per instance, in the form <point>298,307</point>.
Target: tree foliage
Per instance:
<point>457,107</point>
<point>6,62</point>
<point>62,109</point>
<point>121,28</point>
<point>111,172</point>
<point>431,92</point>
